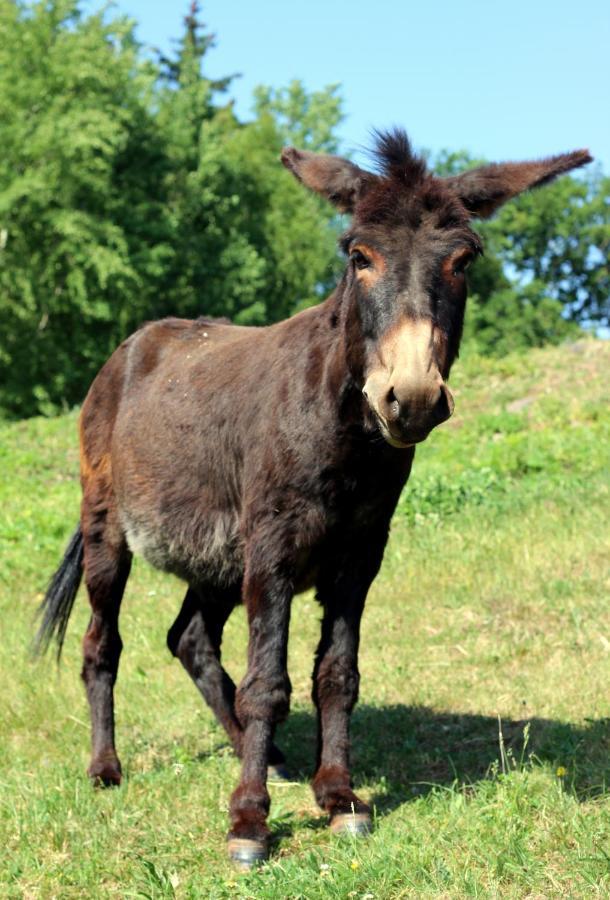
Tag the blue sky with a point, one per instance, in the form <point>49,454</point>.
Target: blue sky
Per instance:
<point>502,80</point>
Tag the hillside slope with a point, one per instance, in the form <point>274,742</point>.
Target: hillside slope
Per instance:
<point>482,735</point>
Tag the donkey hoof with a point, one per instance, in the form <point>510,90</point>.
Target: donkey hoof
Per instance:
<point>278,772</point>
<point>247,853</point>
<point>355,824</point>
<point>104,775</point>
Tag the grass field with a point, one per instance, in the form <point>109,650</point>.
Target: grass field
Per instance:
<point>482,737</point>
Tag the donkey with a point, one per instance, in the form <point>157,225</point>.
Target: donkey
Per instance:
<point>255,463</point>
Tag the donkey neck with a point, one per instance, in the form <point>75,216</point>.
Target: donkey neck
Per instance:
<point>343,348</point>
<point>327,346</point>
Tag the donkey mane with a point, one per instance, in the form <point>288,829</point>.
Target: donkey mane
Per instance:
<point>396,158</point>
<point>405,191</point>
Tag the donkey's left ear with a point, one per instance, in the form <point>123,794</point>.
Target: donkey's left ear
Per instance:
<point>337,179</point>
<point>483,190</point>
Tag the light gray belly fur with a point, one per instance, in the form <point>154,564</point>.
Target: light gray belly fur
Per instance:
<point>211,552</point>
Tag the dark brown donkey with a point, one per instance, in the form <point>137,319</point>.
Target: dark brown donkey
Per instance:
<point>258,462</point>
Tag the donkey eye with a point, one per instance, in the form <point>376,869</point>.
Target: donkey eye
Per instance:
<point>462,262</point>
<point>359,259</point>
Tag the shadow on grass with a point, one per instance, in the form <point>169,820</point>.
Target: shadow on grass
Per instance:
<point>412,750</point>
<point>408,751</point>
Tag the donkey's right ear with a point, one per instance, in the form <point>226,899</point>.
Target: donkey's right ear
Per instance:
<point>337,179</point>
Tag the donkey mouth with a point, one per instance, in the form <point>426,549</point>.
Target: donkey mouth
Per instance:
<point>399,439</point>
<point>398,434</point>
<point>394,442</point>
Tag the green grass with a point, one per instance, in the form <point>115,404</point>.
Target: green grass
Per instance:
<point>482,737</point>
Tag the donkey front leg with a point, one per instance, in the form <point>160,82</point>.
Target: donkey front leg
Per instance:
<point>335,688</point>
<point>262,702</point>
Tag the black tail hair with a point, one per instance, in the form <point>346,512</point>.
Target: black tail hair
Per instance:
<point>59,599</point>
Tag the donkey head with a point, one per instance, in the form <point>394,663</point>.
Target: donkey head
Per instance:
<point>408,247</point>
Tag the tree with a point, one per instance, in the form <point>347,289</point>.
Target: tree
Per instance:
<point>309,121</point>
<point>238,215</point>
<point>129,190</point>
<point>74,120</point>
<point>558,241</point>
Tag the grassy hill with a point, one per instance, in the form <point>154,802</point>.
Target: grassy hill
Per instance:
<point>482,736</point>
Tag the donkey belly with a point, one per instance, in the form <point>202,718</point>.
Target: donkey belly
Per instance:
<point>206,549</point>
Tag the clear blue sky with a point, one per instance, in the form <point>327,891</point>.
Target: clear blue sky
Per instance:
<point>502,80</point>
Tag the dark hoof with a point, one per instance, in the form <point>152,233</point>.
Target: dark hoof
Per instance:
<point>104,775</point>
<point>247,853</point>
<point>278,772</point>
<point>356,824</point>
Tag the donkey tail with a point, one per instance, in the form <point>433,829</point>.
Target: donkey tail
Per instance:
<point>59,599</point>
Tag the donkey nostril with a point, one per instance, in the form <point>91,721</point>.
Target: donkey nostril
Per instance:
<point>443,407</point>
<point>393,405</point>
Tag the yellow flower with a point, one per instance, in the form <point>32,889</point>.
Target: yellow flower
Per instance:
<point>561,771</point>
<point>355,864</point>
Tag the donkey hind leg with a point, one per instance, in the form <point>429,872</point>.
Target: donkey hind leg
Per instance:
<point>195,639</point>
<point>107,568</point>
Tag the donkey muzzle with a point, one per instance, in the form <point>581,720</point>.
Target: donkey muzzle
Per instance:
<point>407,410</point>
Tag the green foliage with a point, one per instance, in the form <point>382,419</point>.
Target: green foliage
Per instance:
<point>73,118</point>
<point>513,317</point>
<point>128,193</point>
<point>252,244</point>
<point>557,240</point>
<point>307,121</point>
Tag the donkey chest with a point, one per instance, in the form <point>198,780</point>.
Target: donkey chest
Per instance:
<point>326,529</point>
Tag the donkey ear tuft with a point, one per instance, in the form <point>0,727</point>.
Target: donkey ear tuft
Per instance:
<point>290,157</point>
<point>334,178</point>
<point>484,190</point>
